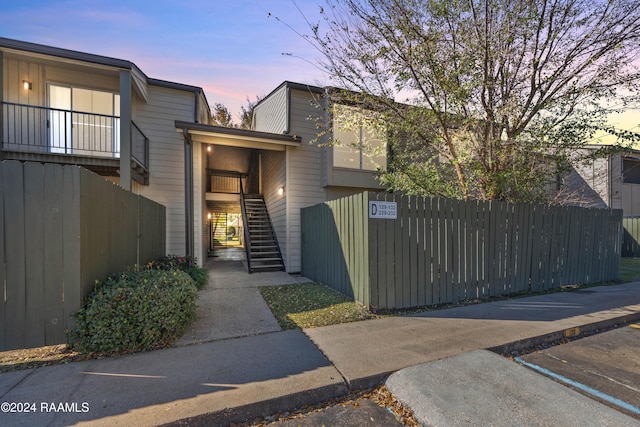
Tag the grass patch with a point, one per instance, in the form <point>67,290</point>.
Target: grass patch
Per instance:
<point>310,305</point>
<point>630,270</point>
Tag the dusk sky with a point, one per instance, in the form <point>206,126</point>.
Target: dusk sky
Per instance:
<point>232,49</point>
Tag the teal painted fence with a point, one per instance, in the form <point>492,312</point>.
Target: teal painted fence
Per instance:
<point>445,251</point>
<point>61,229</point>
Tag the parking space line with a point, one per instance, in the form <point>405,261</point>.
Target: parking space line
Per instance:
<point>585,388</point>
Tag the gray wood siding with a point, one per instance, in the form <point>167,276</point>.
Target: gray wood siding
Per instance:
<point>271,114</point>
<point>15,72</point>
<point>304,186</point>
<point>166,156</point>
<point>594,184</point>
<point>273,176</point>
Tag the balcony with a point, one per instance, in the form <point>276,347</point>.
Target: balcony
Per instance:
<point>71,137</point>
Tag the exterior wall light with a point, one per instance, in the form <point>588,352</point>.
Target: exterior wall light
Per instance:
<point>281,190</point>
<point>209,148</point>
<point>209,216</point>
<point>27,85</point>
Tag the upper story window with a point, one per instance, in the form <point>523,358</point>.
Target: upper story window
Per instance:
<point>631,171</point>
<point>358,139</point>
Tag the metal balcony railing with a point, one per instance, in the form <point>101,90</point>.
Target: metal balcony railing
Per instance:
<point>229,182</point>
<point>35,129</point>
<point>139,146</point>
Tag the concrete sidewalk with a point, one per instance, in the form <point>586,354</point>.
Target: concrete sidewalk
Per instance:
<point>367,352</point>
<point>219,379</point>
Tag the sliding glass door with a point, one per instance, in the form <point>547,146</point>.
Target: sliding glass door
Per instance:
<point>83,121</point>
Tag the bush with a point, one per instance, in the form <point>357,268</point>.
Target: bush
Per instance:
<point>135,311</point>
<point>187,264</point>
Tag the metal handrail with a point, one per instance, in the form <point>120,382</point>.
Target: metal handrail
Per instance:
<point>275,240</point>
<point>245,226</point>
<point>139,146</point>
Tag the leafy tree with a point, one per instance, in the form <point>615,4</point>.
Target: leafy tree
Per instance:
<point>246,116</point>
<point>495,94</point>
<point>221,116</point>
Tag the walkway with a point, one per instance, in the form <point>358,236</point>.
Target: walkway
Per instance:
<point>231,305</point>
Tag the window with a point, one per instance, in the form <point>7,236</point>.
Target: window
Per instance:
<point>358,139</point>
<point>631,171</point>
<point>84,121</point>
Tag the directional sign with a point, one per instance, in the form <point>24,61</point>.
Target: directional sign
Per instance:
<point>383,210</point>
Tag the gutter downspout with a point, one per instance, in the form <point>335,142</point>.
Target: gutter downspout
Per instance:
<point>196,103</point>
<point>287,129</point>
<point>188,193</point>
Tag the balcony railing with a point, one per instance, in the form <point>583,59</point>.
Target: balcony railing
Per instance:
<point>35,129</point>
<point>139,146</point>
<point>221,181</point>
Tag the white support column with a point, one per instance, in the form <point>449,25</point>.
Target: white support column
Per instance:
<point>125,129</point>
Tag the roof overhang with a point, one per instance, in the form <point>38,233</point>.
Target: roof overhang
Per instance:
<point>234,137</point>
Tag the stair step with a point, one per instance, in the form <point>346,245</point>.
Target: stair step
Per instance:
<point>259,268</point>
<point>266,266</point>
<point>265,258</point>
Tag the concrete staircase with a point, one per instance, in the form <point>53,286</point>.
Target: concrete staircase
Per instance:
<point>263,252</point>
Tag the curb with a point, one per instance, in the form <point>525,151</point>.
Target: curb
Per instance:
<point>523,345</point>
<point>264,408</point>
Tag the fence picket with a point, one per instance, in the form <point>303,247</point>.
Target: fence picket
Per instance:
<point>414,245</point>
<point>429,274</point>
<point>34,255</point>
<point>15,286</point>
<point>406,248</point>
<point>54,330</point>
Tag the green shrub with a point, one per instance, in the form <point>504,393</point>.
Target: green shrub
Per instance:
<point>135,311</point>
<point>187,264</point>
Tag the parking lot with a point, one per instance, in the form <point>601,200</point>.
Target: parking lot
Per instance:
<point>605,367</point>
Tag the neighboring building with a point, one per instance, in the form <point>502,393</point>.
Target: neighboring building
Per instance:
<point>153,137</point>
<point>612,182</point>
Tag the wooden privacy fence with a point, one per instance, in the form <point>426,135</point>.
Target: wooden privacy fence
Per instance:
<point>444,251</point>
<point>631,237</point>
<point>61,229</point>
